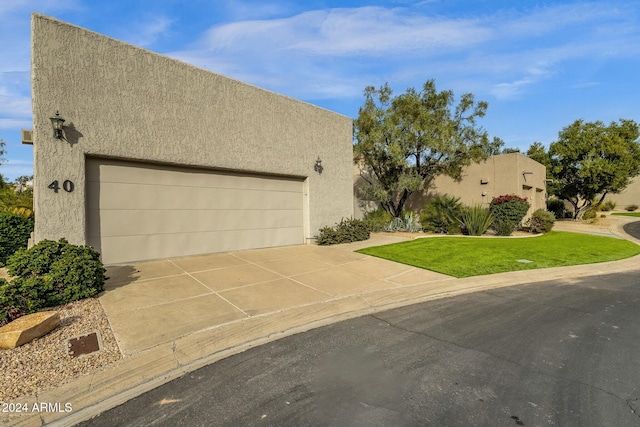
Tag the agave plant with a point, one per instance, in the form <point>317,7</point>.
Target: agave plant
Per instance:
<point>476,219</point>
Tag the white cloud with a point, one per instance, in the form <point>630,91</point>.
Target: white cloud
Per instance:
<point>321,53</point>
<point>15,124</point>
<point>14,168</point>
<point>146,33</point>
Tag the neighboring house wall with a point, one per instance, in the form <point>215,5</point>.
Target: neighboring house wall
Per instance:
<point>512,173</point>
<point>628,197</point>
<point>122,102</point>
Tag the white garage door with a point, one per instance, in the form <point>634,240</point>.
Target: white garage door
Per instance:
<point>139,211</point>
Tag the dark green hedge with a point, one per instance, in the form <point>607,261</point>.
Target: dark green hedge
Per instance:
<point>14,234</point>
<point>49,274</point>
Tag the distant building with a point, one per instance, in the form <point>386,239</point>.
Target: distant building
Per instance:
<point>628,197</point>
<point>512,173</point>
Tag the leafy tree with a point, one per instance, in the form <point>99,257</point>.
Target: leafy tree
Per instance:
<point>404,142</point>
<point>590,160</point>
<point>538,153</point>
<point>23,179</point>
<point>496,147</point>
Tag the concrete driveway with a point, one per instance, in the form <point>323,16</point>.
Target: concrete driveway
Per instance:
<point>156,302</point>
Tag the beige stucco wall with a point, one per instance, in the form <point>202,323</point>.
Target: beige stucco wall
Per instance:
<point>630,195</point>
<point>125,102</point>
<point>512,173</point>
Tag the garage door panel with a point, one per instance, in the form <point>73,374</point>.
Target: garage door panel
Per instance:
<point>147,197</point>
<point>167,176</point>
<point>127,223</point>
<point>124,249</point>
<point>137,211</point>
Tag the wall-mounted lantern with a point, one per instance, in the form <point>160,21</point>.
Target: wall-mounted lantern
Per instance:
<point>318,166</point>
<point>56,123</point>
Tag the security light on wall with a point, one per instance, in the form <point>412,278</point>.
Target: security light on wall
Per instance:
<point>318,166</point>
<point>56,123</point>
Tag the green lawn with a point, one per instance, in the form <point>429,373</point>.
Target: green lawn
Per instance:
<point>627,213</point>
<point>467,256</point>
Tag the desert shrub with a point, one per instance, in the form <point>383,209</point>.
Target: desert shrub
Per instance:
<point>541,221</point>
<point>51,273</point>
<point>440,215</point>
<point>14,233</point>
<point>556,207</point>
<point>589,214</point>
<point>9,300</point>
<point>405,223</point>
<point>607,206</point>
<point>346,231</point>
<point>377,219</point>
<point>568,215</point>
<point>631,208</point>
<point>476,220</point>
<point>508,211</point>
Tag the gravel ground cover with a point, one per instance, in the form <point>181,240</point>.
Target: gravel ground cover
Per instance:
<point>44,363</point>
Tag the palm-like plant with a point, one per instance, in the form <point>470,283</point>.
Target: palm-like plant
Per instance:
<point>476,219</point>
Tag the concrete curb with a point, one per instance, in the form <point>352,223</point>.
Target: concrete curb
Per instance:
<point>143,371</point>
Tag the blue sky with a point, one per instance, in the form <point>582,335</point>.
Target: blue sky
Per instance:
<point>539,64</point>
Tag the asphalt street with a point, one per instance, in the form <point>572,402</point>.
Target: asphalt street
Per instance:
<point>557,353</point>
<point>633,228</point>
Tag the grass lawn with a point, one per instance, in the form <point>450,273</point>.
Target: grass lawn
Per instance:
<point>627,213</point>
<point>467,256</point>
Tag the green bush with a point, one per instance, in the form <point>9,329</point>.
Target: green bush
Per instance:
<point>476,220</point>
<point>632,208</point>
<point>406,223</point>
<point>589,214</point>
<point>556,207</point>
<point>346,231</point>
<point>49,274</point>
<point>14,234</point>
<point>568,215</point>
<point>440,215</point>
<point>541,221</point>
<point>607,206</point>
<point>508,211</point>
<point>377,219</point>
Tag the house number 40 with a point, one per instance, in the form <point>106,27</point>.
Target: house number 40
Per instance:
<point>66,186</point>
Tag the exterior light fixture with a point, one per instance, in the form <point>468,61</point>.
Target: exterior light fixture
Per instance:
<point>318,166</point>
<point>56,123</point>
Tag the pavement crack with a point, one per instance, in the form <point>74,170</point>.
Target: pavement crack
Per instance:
<point>526,368</point>
<point>629,404</point>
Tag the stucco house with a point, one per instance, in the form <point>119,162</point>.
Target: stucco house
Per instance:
<point>157,158</point>
<point>630,196</point>
<point>512,173</point>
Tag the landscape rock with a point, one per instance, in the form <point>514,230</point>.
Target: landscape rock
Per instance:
<point>28,328</point>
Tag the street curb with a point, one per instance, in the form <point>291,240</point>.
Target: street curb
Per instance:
<point>143,371</point>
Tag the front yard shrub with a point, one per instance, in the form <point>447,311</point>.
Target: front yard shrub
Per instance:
<point>589,214</point>
<point>508,211</point>
<point>440,215</point>
<point>607,206</point>
<point>541,221</point>
<point>346,231</point>
<point>556,207</point>
<point>476,220</point>
<point>378,219</point>
<point>632,208</point>
<point>49,274</point>
<point>15,230</point>
<point>406,223</point>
